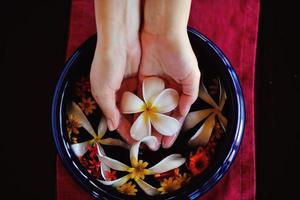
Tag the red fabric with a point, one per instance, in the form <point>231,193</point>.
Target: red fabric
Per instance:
<point>232,25</point>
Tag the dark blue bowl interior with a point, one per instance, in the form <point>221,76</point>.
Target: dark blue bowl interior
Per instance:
<point>212,63</point>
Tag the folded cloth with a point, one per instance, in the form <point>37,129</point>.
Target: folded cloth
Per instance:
<point>232,25</point>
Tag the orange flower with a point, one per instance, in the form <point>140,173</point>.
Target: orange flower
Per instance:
<point>87,105</point>
<point>127,188</point>
<point>174,172</point>
<point>170,184</point>
<point>198,161</point>
<point>72,125</point>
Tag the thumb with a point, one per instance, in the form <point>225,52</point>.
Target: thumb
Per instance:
<point>106,99</point>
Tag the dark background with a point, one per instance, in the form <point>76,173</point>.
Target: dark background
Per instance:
<point>33,39</point>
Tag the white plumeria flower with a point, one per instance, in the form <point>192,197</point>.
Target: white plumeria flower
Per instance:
<point>80,149</point>
<point>157,101</point>
<point>203,134</point>
<point>137,171</point>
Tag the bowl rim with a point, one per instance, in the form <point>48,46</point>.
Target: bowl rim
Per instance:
<point>62,146</point>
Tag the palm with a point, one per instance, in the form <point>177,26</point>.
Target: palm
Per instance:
<point>176,62</point>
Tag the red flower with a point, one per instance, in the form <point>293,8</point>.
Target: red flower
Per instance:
<point>82,86</point>
<point>93,151</point>
<point>111,175</point>
<point>91,162</point>
<point>198,161</point>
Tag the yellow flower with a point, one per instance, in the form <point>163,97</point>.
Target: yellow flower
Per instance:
<point>169,185</point>
<point>87,105</point>
<point>173,183</point>
<point>127,188</point>
<point>183,179</point>
<point>138,169</point>
<point>72,124</point>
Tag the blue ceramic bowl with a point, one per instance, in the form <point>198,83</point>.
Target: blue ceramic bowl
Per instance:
<point>212,63</point>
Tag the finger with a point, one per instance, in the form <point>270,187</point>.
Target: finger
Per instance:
<point>168,141</point>
<point>124,130</point>
<point>190,90</point>
<point>106,99</point>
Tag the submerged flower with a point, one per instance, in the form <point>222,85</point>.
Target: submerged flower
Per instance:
<point>138,169</point>
<point>198,161</point>
<point>127,188</point>
<point>72,125</point>
<point>87,105</point>
<point>81,148</point>
<point>203,134</point>
<point>157,101</point>
<point>82,87</point>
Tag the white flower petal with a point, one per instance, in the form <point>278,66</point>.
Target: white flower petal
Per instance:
<point>104,168</point>
<point>114,142</point>
<point>193,118</point>
<point>166,101</point>
<point>112,163</point>
<point>203,94</point>
<point>171,162</point>
<point>148,189</point>
<point>152,87</point>
<point>117,182</point>
<point>100,150</point>
<point>131,103</point>
<point>222,98</point>
<point>75,110</point>
<point>150,141</point>
<point>141,127</point>
<point>223,121</point>
<point>80,148</point>
<point>202,136</point>
<point>102,127</point>
<point>164,124</point>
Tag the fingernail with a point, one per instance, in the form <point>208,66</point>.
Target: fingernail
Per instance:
<point>110,125</point>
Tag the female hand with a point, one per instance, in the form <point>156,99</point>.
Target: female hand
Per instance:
<point>117,53</point>
<point>167,52</point>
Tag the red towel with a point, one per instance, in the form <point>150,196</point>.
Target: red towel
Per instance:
<point>232,25</point>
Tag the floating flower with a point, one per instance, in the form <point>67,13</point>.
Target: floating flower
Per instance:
<point>87,105</point>
<point>92,165</point>
<point>183,179</point>
<point>198,162</point>
<point>138,169</point>
<point>170,184</point>
<point>202,136</point>
<point>72,125</point>
<point>174,172</point>
<point>173,183</point>
<point>127,188</point>
<point>111,175</point>
<point>157,101</point>
<point>81,148</point>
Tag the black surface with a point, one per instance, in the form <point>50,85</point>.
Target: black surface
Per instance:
<point>33,46</point>
<point>277,102</point>
<point>33,42</point>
